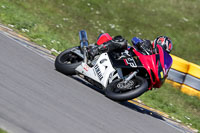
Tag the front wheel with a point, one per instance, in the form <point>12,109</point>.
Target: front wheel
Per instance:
<point>67,61</point>
<point>119,91</point>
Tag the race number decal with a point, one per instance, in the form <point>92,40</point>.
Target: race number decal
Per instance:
<point>130,61</point>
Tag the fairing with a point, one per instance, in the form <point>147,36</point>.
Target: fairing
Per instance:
<point>168,61</point>
<point>157,66</point>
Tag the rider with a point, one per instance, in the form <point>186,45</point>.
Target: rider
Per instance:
<point>164,41</point>
<point>145,46</point>
<point>105,43</point>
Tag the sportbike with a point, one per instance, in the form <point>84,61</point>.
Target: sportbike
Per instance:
<point>122,74</point>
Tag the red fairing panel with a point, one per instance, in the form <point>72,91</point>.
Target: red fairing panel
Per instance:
<point>148,63</point>
<point>104,38</point>
<point>151,63</point>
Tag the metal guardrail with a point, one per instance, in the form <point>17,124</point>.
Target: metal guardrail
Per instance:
<point>185,75</point>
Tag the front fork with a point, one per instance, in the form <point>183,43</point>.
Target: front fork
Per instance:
<point>127,78</point>
<point>85,54</point>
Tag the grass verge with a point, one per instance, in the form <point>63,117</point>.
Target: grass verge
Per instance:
<point>54,24</point>
<point>179,106</point>
<point>2,131</point>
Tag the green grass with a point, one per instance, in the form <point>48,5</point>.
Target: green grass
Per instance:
<point>2,131</point>
<point>178,105</point>
<point>60,20</point>
<point>55,24</point>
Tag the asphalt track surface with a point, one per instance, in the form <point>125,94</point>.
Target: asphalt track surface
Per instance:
<point>35,98</point>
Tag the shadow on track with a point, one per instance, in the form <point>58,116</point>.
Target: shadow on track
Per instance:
<point>127,104</point>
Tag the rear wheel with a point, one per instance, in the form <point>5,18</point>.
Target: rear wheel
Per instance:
<point>119,91</point>
<point>67,61</point>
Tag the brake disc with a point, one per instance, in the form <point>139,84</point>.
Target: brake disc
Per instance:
<point>125,86</point>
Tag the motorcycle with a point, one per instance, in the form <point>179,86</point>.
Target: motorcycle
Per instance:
<point>122,74</point>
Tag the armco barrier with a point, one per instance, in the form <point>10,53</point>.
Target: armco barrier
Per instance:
<point>179,64</point>
<point>190,91</point>
<point>185,75</point>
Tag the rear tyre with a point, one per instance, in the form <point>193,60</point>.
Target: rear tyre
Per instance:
<point>67,61</point>
<point>135,88</point>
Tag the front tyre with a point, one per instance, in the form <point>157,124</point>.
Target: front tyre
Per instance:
<point>119,91</point>
<point>67,61</point>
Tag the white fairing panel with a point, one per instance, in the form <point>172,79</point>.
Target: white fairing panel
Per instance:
<point>100,72</point>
